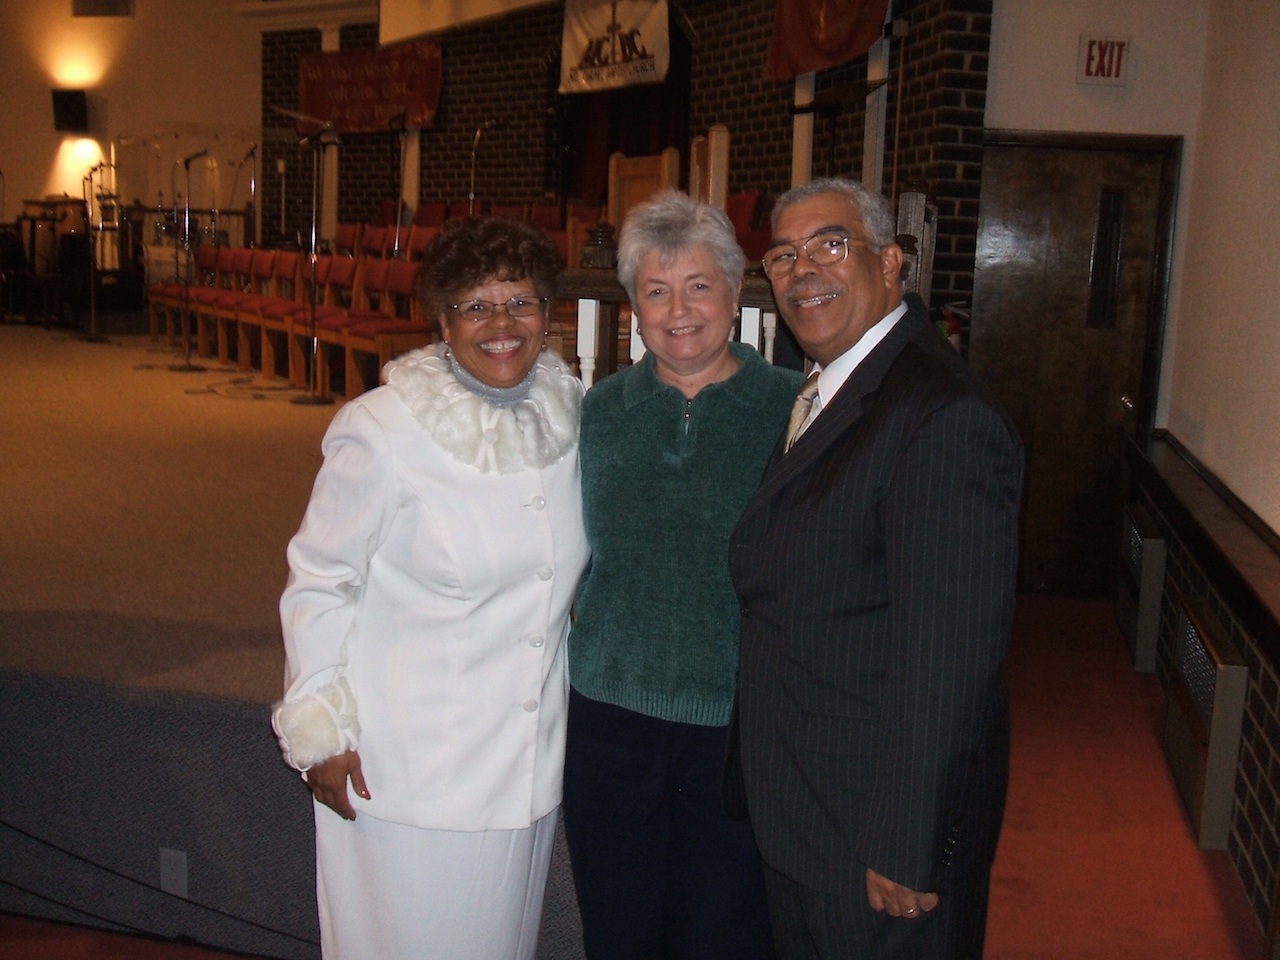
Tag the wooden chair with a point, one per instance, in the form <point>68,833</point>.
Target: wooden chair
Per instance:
<point>633,180</point>
<point>546,216</point>
<point>709,166</point>
<point>368,297</point>
<point>398,329</point>
<point>419,239</point>
<point>171,298</point>
<point>430,214</point>
<point>512,211</point>
<point>741,210</point>
<point>255,282</point>
<point>374,241</point>
<point>338,286</point>
<point>272,313</point>
<point>346,239</point>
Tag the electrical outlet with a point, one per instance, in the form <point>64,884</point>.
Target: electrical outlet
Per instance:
<point>173,872</point>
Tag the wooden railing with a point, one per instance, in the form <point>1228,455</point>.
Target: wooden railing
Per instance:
<point>598,295</point>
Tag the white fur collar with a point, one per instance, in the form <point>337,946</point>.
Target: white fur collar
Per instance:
<point>533,433</point>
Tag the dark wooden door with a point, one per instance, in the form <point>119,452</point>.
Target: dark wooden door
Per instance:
<point>1068,309</point>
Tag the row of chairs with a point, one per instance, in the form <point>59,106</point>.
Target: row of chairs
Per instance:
<point>382,238</point>
<point>366,308</point>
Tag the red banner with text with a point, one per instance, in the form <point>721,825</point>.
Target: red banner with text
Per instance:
<point>366,90</point>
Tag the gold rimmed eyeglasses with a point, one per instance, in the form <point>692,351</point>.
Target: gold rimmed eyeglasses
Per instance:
<point>824,249</point>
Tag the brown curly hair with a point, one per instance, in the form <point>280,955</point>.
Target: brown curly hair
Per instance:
<point>482,249</point>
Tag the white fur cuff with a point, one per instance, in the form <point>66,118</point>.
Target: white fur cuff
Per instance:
<point>317,727</point>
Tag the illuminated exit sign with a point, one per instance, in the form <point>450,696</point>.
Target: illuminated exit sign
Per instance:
<point>1103,59</point>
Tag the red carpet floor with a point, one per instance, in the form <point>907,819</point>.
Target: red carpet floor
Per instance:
<point>1096,860</point>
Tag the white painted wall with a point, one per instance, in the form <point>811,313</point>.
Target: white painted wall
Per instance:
<point>180,75</point>
<point>1224,401</point>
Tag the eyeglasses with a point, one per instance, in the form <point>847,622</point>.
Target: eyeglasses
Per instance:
<point>478,311</point>
<point>824,249</point>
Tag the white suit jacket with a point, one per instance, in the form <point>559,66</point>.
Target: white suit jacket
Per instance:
<point>442,594</point>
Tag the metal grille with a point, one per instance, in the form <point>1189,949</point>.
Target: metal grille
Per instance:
<point>1197,669</point>
<point>1131,547</point>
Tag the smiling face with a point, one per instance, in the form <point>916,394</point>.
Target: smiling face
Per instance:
<point>498,351</point>
<point>829,308</point>
<point>685,310</point>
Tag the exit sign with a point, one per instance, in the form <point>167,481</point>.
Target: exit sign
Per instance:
<point>1103,59</point>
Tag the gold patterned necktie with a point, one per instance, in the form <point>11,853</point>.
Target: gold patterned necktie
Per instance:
<point>800,411</point>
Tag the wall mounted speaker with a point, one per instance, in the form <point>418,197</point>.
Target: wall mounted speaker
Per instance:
<point>70,111</point>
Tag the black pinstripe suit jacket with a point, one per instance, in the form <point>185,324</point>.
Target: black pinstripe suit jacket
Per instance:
<point>875,565</point>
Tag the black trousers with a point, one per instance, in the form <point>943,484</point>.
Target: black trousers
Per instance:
<point>841,925</point>
<point>661,871</point>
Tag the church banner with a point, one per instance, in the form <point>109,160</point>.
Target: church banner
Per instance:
<point>372,89</point>
<point>613,43</point>
<point>812,35</point>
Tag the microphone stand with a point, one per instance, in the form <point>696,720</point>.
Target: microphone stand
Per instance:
<point>186,366</point>
<point>317,141</point>
<point>402,117</point>
<point>251,240</point>
<point>92,336</point>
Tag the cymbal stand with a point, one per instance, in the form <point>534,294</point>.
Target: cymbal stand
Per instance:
<point>322,138</point>
<point>186,366</point>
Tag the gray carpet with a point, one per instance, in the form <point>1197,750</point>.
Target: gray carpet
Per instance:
<point>144,516</point>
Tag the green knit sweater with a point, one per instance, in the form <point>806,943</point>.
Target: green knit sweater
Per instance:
<point>664,481</point>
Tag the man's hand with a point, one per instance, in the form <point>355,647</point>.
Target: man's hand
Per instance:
<point>328,782</point>
<point>885,896</point>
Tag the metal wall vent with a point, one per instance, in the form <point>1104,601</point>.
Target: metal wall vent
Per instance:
<point>1140,585</point>
<point>1203,716</point>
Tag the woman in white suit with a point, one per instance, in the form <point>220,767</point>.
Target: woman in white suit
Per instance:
<point>425,616</point>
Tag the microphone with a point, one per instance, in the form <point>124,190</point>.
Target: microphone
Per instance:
<point>186,161</point>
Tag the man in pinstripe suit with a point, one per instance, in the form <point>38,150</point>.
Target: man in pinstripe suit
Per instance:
<point>875,565</point>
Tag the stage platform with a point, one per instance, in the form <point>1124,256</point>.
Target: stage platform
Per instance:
<point>144,516</point>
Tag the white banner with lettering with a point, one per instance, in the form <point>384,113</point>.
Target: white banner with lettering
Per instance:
<point>613,43</point>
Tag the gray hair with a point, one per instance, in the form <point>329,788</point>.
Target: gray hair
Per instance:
<point>670,223</point>
<point>876,215</point>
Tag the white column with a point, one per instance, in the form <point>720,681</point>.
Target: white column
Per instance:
<point>749,329</point>
<point>329,42</point>
<point>802,133</point>
<point>770,333</point>
<point>877,108</point>
<point>588,339</point>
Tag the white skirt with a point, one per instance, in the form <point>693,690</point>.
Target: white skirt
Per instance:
<point>387,891</point>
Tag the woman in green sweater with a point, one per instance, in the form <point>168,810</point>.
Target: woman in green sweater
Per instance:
<point>671,450</point>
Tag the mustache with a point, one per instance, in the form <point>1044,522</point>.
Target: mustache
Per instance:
<point>807,289</point>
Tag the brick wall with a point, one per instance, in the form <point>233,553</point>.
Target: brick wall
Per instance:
<point>507,69</point>
<point>944,100</point>
<point>727,85</point>
<point>1253,842</point>
<point>280,53</point>
<point>369,165</point>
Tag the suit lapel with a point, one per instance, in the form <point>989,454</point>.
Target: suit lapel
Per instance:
<point>844,411</point>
